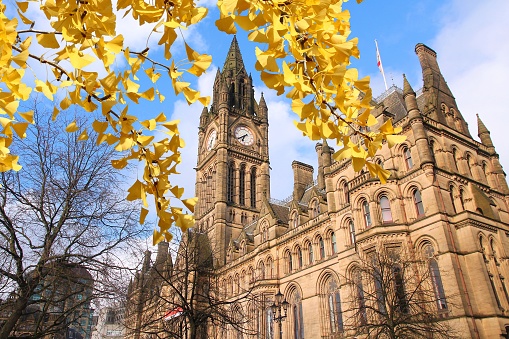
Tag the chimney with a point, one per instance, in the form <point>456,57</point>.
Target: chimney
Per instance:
<point>302,178</point>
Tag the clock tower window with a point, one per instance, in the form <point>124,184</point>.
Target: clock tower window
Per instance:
<point>230,182</point>
<point>253,187</point>
<point>242,185</point>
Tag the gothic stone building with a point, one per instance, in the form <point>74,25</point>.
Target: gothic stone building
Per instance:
<point>447,199</point>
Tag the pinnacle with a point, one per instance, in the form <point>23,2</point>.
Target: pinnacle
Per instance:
<point>407,89</point>
<point>262,101</point>
<point>233,60</point>
<point>481,128</point>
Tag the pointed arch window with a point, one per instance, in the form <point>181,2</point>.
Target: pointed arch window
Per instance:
<point>346,193</point>
<point>253,187</point>
<point>408,158</point>
<point>334,246</point>
<point>436,279</point>
<point>385,205</point>
<point>295,220</point>
<point>299,257</point>
<point>261,270</point>
<point>419,207</point>
<point>399,288</point>
<point>455,158</point>
<point>289,262</point>
<point>469,164</point>
<point>242,185</point>
<point>352,232</point>
<point>311,257</point>
<point>367,214</point>
<point>462,199</point>
<point>298,316</point>
<point>322,247</point>
<point>334,307</point>
<point>362,315</point>
<point>230,183</point>
<point>451,196</point>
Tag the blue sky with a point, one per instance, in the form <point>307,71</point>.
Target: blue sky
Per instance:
<point>470,37</point>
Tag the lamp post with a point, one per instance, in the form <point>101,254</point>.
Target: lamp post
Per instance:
<point>280,310</point>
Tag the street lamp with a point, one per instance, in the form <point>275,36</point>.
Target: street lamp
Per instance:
<point>279,310</point>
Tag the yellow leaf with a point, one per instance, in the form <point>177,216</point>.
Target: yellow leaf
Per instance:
<point>28,116</point>
<point>72,127</point>
<point>115,45</point>
<point>137,191</point>
<point>190,203</point>
<point>83,136</point>
<point>99,126</point>
<point>157,237</point>
<point>21,58</point>
<point>154,76</point>
<point>185,221</point>
<point>55,113</point>
<point>119,164</point>
<point>395,139</point>
<point>149,94</point>
<point>22,5</point>
<point>143,215</point>
<point>47,40</point>
<point>20,129</point>
<point>177,191</point>
<point>227,25</point>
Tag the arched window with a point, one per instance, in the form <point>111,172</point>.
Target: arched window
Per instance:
<point>455,157</point>
<point>408,158</point>
<point>462,199</point>
<point>334,307</point>
<point>289,263</point>
<point>298,317</point>
<point>253,187</point>
<point>386,209</point>
<point>270,267</point>
<point>399,289</point>
<point>315,208</point>
<point>333,244</point>
<point>230,182</point>
<point>242,185</point>
<point>322,247</point>
<point>436,279</point>
<point>294,220</point>
<point>362,315</point>
<point>261,270</point>
<point>367,214</point>
<point>469,164</point>
<point>346,193</point>
<point>352,232</point>
<point>298,251</point>
<point>419,207</point>
<point>451,196</point>
<point>269,323</point>
<point>311,257</point>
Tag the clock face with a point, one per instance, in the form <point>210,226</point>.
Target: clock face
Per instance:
<point>244,135</point>
<point>211,140</point>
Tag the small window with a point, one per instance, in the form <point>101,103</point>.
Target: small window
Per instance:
<point>289,262</point>
<point>310,253</point>
<point>367,214</point>
<point>333,243</point>
<point>322,247</point>
<point>451,196</point>
<point>418,203</point>
<point>299,257</point>
<point>386,209</point>
<point>346,192</point>
<point>408,158</point>
<point>352,232</point>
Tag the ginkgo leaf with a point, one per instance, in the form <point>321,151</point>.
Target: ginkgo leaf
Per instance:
<point>83,135</point>
<point>47,40</point>
<point>143,215</point>
<point>72,127</point>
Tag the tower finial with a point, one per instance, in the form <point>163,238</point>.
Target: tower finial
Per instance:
<point>407,89</point>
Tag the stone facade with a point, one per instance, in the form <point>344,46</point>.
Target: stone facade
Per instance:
<point>447,199</point>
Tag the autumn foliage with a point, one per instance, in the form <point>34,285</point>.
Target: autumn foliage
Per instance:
<point>303,51</point>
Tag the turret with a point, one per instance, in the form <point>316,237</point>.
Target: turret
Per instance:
<point>262,108</point>
<point>484,135</point>
<point>146,262</point>
<point>162,254</point>
<point>204,116</point>
<point>415,120</point>
<point>437,94</point>
<point>302,178</point>
<point>320,177</point>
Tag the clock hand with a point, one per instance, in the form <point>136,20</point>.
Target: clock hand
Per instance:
<point>242,137</point>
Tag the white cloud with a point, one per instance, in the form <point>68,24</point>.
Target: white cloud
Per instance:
<point>472,50</point>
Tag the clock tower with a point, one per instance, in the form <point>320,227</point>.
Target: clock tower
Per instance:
<point>233,156</point>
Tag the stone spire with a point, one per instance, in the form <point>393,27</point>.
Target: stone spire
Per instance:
<point>233,60</point>
<point>484,135</point>
<point>438,98</point>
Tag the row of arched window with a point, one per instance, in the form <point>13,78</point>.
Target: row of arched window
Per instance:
<point>365,291</point>
<point>299,257</point>
<point>246,188</point>
<point>495,271</point>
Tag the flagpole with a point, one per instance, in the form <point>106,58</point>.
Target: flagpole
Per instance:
<point>379,63</point>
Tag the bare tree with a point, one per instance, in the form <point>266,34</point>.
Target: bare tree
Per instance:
<point>63,222</point>
<point>396,295</point>
<point>185,299</point>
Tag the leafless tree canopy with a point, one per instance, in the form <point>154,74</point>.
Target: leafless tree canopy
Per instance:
<point>62,215</point>
<point>394,294</point>
<point>190,288</point>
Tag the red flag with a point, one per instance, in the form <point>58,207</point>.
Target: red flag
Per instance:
<point>173,313</point>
